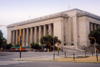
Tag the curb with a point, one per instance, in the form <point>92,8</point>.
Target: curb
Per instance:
<point>18,59</point>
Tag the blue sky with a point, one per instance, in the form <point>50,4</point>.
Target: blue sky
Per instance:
<point>12,11</point>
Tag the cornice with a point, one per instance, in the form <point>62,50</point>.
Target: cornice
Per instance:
<point>39,19</point>
<point>88,14</point>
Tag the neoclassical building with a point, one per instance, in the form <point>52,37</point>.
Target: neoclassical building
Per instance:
<point>67,26</point>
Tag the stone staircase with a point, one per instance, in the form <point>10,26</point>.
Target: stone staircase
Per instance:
<point>71,49</point>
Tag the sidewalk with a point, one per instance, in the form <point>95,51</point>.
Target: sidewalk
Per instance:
<point>61,57</point>
<point>41,58</point>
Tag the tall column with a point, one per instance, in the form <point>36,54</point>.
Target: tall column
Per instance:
<point>69,38</point>
<point>31,35</point>
<point>75,32</point>
<point>16,36</point>
<point>27,37</point>
<point>35,34</point>
<point>94,26</point>
<point>40,33</point>
<point>9,36</point>
<point>98,26</point>
<point>49,29</point>
<point>13,38</point>
<point>52,31</point>
<point>23,38</point>
<point>91,26</point>
<point>44,30</point>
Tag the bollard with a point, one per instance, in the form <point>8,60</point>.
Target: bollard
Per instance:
<point>97,56</point>
<point>65,54</point>
<point>53,56</point>
<point>20,54</point>
<point>73,56</point>
<point>85,53</point>
<point>58,52</point>
<point>92,53</point>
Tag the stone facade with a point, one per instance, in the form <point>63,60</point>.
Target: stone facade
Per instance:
<point>65,25</point>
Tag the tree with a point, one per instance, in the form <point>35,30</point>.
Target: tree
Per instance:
<point>49,40</point>
<point>2,39</point>
<point>16,45</point>
<point>35,45</point>
<point>1,34</point>
<point>96,35</point>
<point>9,46</point>
<point>4,45</point>
<point>32,45</point>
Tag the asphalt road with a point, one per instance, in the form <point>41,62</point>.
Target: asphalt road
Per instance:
<point>5,60</point>
<point>51,64</point>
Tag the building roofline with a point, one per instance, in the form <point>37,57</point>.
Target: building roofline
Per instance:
<point>40,19</point>
<point>43,17</point>
<point>55,15</point>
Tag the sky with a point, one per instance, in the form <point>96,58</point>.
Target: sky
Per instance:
<point>13,11</point>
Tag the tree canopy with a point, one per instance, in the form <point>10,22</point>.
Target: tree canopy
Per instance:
<point>96,35</point>
<point>9,46</point>
<point>35,45</point>
<point>49,39</point>
<point>1,39</point>
<point>1,34</point>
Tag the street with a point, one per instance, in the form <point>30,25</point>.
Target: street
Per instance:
<point>49,64</point>
<point>6,60</point>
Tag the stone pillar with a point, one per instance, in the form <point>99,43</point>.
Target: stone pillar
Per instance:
<point>52,29</point>
<point>94,26</point>
<point>40,34</point>
<point>75,32</point>
<point>35,34</point>
<point>27,37</point>
<point>50,33</point>
<point>9,36</point>
<point>44,30</point>
<point>31,35</point>
<point>69,38</point>
<point>23,39</point>
<point>98,26</point>
<point>16,36</point>
<point>12,37</point>
<point>91,26</point>
<point>58,28</point>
